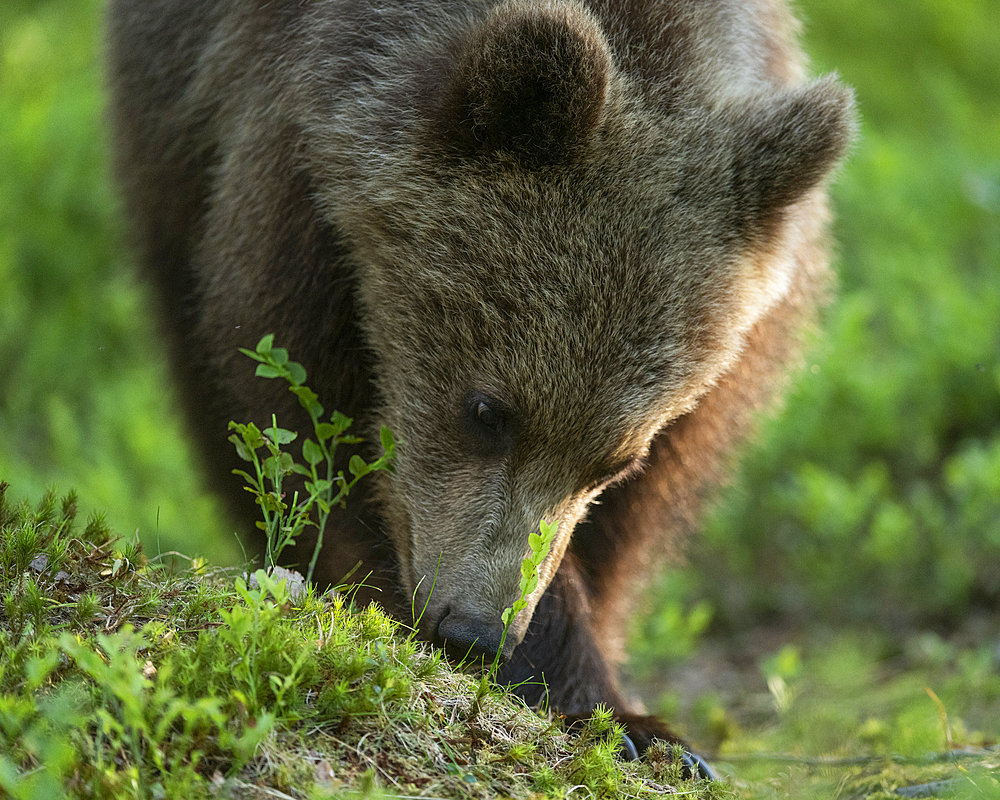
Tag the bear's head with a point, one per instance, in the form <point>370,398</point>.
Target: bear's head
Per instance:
<point>557,257</point>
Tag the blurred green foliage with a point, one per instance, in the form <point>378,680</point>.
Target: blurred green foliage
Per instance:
<point>847,701</point>
<point>874,495</point>
<point>83,386</point>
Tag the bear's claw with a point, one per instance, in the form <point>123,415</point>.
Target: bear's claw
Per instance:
<point>694,765</point>
<point>698,767</point>
<point>629,752</point>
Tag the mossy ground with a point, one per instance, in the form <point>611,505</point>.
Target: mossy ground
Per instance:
<point>122,677</point>
<point>125,678</point>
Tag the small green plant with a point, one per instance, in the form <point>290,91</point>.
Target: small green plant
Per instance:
<point>325,488</point>
<point>539,545</point>
<point>245,624</point>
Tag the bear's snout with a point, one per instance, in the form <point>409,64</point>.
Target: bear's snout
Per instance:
<point>467,638</point>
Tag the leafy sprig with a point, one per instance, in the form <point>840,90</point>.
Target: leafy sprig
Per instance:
<point>539,545</point>
<point>325,488</point>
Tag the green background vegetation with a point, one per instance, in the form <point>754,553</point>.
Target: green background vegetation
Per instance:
<point>878,491</point>
<point>871,503</point>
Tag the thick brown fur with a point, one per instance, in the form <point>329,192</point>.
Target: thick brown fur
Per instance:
<point>564,249</point>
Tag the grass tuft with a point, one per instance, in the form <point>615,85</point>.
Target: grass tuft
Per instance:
<point>125,678</point>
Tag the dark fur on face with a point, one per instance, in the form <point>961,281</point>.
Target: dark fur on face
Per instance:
<point>565,250</point>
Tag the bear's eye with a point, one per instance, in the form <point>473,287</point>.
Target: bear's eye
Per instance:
<point>488,423</point>
<point>489,416</point>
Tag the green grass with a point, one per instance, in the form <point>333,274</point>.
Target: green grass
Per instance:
<point>124,678</point>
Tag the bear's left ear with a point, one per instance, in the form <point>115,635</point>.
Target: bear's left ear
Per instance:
<point>532,81</point>
<point>785,144</point>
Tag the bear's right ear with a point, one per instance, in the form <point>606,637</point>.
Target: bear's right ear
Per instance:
<point>786,144</point>
<point>532,81</point>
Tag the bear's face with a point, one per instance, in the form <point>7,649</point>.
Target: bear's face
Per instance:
<point>527,366</point>
<point>552,271</point>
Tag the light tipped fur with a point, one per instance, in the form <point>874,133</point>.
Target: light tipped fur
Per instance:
<point>788,143</point>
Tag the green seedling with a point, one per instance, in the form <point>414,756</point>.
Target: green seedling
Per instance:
<point>325,487</point>
<point>539,545</point>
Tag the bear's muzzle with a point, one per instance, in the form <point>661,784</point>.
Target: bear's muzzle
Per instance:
<point>469,639</point>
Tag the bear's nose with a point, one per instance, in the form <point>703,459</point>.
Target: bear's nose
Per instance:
<point>468,639</point>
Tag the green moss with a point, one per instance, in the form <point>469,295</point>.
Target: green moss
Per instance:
<point>120,678</point>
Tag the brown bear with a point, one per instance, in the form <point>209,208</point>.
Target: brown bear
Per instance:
<point>563,249</point>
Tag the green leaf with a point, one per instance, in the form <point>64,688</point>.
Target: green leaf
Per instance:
<point>308,400</point>
<point>267,371</point>
<point>535,542</point>
<point>248,478</point>
<point>279,355</point>
<point>250,353</point>
<point>272,502</point>
<point>265,344</point>
<point>312,452</point>
<point>340,422</point>
<point>242,450</point>
<point>509,613</point>
<point>281,435</point>
<point>281,462</point>
<point>528,569</point>
<point>270,465</point>
<point>387,439</point>
<point>297,372</point>
<point>251,434</point>
<point>357,466</point>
